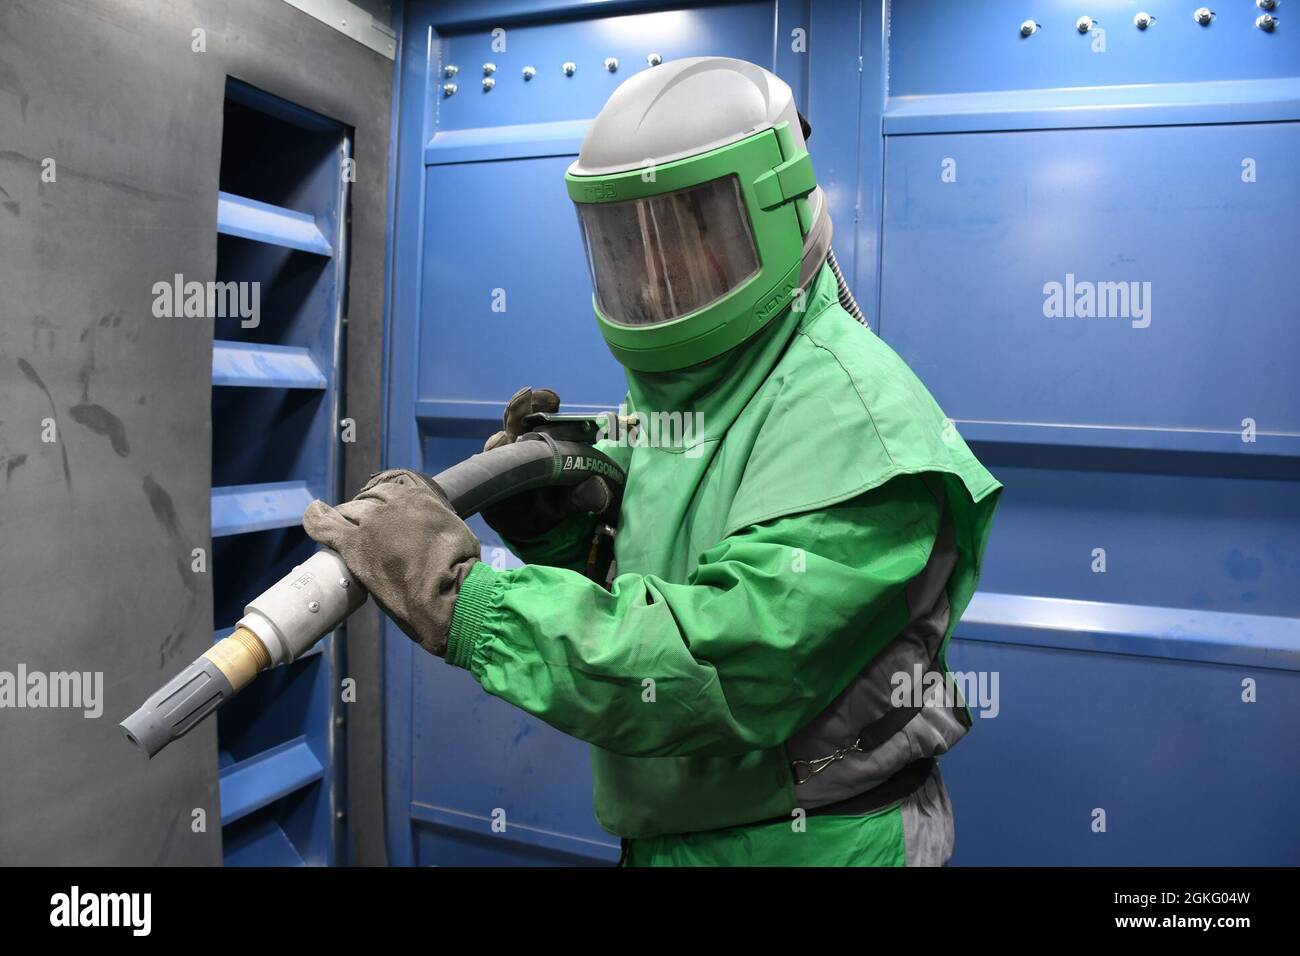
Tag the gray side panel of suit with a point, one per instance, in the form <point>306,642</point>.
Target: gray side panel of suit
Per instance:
<point>867,698</point>
<point>928,834</point>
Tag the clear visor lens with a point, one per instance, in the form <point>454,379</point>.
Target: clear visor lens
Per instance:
<point>656,259</point>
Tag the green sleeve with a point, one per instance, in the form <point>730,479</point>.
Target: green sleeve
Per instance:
<point>772,625</point>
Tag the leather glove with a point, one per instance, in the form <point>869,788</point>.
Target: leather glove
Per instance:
<point>528,516</point>
<point>402,540</point>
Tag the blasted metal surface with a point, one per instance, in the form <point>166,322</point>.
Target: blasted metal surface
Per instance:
<point>97,528</point>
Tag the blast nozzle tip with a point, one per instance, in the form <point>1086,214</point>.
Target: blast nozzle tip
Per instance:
<point>175,709</point>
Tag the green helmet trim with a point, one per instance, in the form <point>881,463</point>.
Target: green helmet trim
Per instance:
<point>774,182</point>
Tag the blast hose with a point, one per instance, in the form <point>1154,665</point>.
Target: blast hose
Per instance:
<point>283,622</point>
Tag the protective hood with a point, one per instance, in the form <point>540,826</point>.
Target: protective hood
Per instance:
<point>699,211</point>
<point>716,391</point>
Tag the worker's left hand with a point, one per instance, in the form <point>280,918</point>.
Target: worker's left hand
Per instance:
<point>403,542</point>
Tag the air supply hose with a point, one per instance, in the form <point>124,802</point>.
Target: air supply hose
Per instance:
<point>283,622</point>
<point>849,303</point>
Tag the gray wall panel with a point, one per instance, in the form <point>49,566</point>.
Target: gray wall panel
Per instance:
<point>96,529</point>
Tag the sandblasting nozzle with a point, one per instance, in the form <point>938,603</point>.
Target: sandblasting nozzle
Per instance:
<point>220,673</point>
<point>278,626</point>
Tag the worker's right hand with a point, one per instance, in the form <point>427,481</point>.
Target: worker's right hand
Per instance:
<point>529,515</point>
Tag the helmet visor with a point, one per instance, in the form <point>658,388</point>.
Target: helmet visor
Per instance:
<point>656,259</point>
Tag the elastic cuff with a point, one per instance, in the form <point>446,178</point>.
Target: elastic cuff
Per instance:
<point>478,594</point>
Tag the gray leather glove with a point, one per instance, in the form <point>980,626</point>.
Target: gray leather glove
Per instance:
<point>401,539</point>
<point>528,516</point>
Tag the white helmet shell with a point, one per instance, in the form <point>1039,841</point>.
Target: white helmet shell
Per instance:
<point>683,108</point>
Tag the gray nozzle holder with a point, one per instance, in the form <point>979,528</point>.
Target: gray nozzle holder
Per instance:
<point>174,710</point>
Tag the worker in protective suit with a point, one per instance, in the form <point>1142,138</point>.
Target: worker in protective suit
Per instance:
<point>758,680</point>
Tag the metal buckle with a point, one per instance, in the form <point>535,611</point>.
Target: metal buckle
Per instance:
<point>817,764</point>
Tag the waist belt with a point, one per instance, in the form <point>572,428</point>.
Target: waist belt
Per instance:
<point>898,787</point>
<point>894,790</point>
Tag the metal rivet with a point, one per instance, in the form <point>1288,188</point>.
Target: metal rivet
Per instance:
<point>1083,24</point>
<point>611,63</point>
<point>569,68</point>
<point>1266,4</point>
<point>489,69</point>
<point>449,89</point>
<point>653,59</point>
<point>1203,16</point>
<point>450,70</point>
<point>344,582</point>
<point>1028,28</point>
<point>313,606</point>
<point>1142,20</point>
<point>529,72</point>
<point>488,83</point>
<point>1266,23</point>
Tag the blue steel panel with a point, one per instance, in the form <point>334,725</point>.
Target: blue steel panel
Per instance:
<point>1212,637</point>
<point>261,780</point>
<point>264,844</point>
<point>240,509</point>
<point>504,761</point>
<point>1203,443</point>
<point>744,30</point>
<point>412,67</point>
<point>966,264</point>
<point>519,141</point>
<point>1205,542</point>
<point>1103,438</point>
<point>1187,773</point>
<point>965,46</point>
<point>523,249</point>
<point>250,219</point>
<point>1169,104</point>
<point>245,365</point>
<point>449,838</point>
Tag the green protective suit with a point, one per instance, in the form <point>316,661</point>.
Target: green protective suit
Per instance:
<point>761,566</point>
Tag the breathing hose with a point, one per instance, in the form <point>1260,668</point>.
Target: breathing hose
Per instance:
<point>849,303</point>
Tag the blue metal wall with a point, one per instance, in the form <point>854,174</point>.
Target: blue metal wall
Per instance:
<point>1110,157</point>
